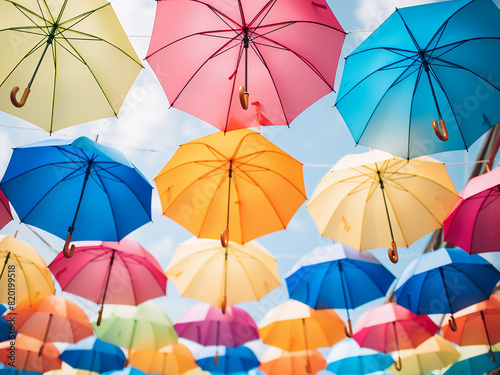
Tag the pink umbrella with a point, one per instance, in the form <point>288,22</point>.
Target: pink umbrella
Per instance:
<point>5,214</point>
<point>110,272</point>
<point>215,57</point>
<point>473,223</point>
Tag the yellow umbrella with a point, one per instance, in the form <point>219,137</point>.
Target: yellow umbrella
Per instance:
<point>275,361</point>
<point>237,181</point>
<point>72,57</point>
<point>433,354</point>
<point>204,270</point>
<point>24,275</point>
<point>169,360</point>
<point>367,198</point>
<point>68,370</point>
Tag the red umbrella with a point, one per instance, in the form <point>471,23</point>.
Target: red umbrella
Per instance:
<point>5,214</point>
<point>110,272</point>
<point>214,57</point>
<point>391,327</point>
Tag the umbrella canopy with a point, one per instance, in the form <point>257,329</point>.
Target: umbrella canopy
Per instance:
<point>347,358</point>
<point>237,181</point>
<point>170,360</point>
<point>68,370</point>
<point>368,198</point>
<point>94,355</point>
<point>471,223</point>
<point>474,360</point>
<point>433,354</point>
<point>7,370</point>
<point>126,371</point>
<point>409,75</point>
<point>92,189</point>
<point>275,361</point>
<point>359,276</point>
<point>136,276</point>
<point>240,359</point>
<point>204,270</point>
<point>445,281</point>
<point>33,279</point>
<point>279,56</point>
<point>74,57</point>
<point>5,214</point>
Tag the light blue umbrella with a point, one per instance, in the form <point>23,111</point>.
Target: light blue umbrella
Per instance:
<point>475,360</point>
<point>79,190</point>
<point>129,370</point>
<point>425,64</point>
<point>7,370</point>
<point>227,360</point>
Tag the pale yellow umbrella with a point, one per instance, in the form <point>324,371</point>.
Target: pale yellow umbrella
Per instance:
<point>367,200</point>
<point>68,370</point>
<point>170,360</point>
<point>204,270</point>
<point>433,354</point>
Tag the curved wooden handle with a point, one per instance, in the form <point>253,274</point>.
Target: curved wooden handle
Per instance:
<point>224,237</point>
<point>125,364</point>
<point>348,332</point>
<point>13,98</point>
<point>393,253</point>
<point>308,366</point>
<point>68,254</point>
<point>41,350</point>
<point>398,365</point>
<point>442,133</point>
<point>492,355</point>
<point>223,305</point>
<point>243,98</point>
<point>99,318</point>
<point>452,323</point>
<point>216,358</point>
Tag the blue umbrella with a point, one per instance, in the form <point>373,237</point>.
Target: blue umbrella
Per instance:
<point>347,358</point>
<point>230,360</point>
<point>5,327</point>
<point>425,64</point>
<point>77,189</point>
<point>475,360</point>
<point>129,370</point>
<point>94,355</point>
<point>359,276</point>
<point>7,370</point>
<point>445,281</point>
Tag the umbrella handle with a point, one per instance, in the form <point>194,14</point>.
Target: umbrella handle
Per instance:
<point>442,133</point>
<point>223,305</point>
<point>243,98</point>
<point>492,355</point>
<point>66,246</point>
<point>393,253</point>
<point>224,237</point>
<point>348,332</point>
<point>452,323</point>
<point>13,98</point>
<point>398,365</point>
<point>99,317</point>
<point>216,359</point>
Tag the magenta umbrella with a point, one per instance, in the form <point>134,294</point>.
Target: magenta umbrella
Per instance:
<point>473,223</point>
<point>5,214</point>
<point>121,273</point>
<point>238,64</point>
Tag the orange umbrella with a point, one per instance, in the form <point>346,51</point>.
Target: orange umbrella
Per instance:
<point>478,324</point>
<point>169,360</point>
<point>25,353</point>
<point>276,362</point>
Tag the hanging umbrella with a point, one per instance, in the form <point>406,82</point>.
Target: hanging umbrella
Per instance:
<point>367,198</point>
<point>275,361</point>
<point>427,69</point>
<point>478,324</point>
<point>240,359</point>
<point>94,355</point>
<point>474,360</point>
<point>7,332</point>
<point>237,181</point>
<point>68,370</point>
<point>170,360</point>
<point>204,270</point>
<point>126,371</point>
<point>390,327</point>
<point>347,358</point>
<point>5,214</point>
<point>51,319</point>
<point>74,58</point>
<point>359,276</point>
<point>279,56</point>
<point>7,370</point>
<point>471,224</point>
<point>77,189</point>
<point>433,354</point>
<point>28,354</point>
<point>136,276</point>
<point>33,279</point>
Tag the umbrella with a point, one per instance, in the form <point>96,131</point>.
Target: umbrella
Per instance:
<point>78,189</point>
<point>7,370</point>
<point>240,359</point>
<point>7,331</point>
<point>68,370</point>
<point>135,275</point>
<point>94,355</point>
<point>369,197</point>
<point>471,223</point>
<point>478,324</point>
<point>237,181</point>
<point>126,371</point>
<point>347,358</point>
<point>474,360</point>
<point>204,270</point>
<point>74,58</point>
<point>427,64</point>
<point>32,277</point>
<point>433,354</point>
<point>445,281</point>
<point>390,327</point>
<point>279,56</point>
<point>170,360</point>
<point>25,353</point>
<point>275,361</point>
<point>359,276</point>
<point>294,326</point>
<point>51,319</point>
<point>5,214</point>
